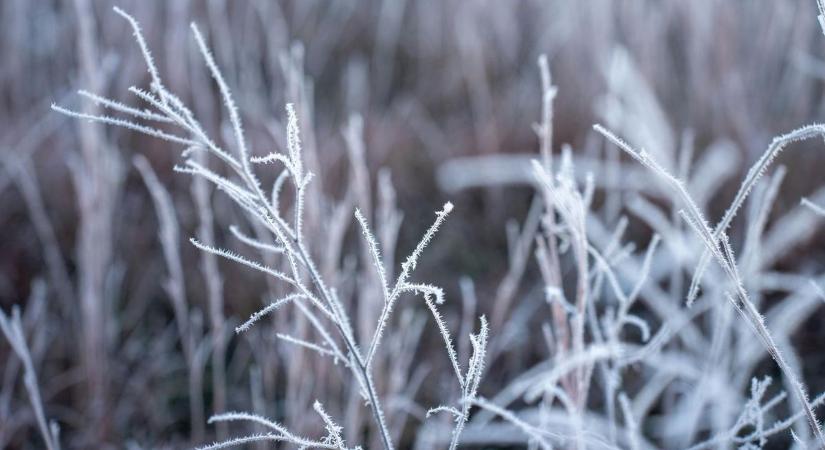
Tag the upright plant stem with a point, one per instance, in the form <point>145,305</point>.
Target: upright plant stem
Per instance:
<point>359,366</point>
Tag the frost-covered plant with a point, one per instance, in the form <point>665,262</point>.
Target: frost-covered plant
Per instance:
<point>12,328</point>
<point>311,293</point>
<point>628,366</point>
<point>279,433</point>
<point>751,429</point>
<point>718,245</point>
<point>469,382</point>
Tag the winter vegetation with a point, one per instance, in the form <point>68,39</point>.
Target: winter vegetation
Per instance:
<point>230,261</point>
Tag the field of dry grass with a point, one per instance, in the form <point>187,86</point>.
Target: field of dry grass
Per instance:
<point>396,224</point>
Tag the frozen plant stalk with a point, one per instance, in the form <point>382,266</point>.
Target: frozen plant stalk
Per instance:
<point>310,292</point>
